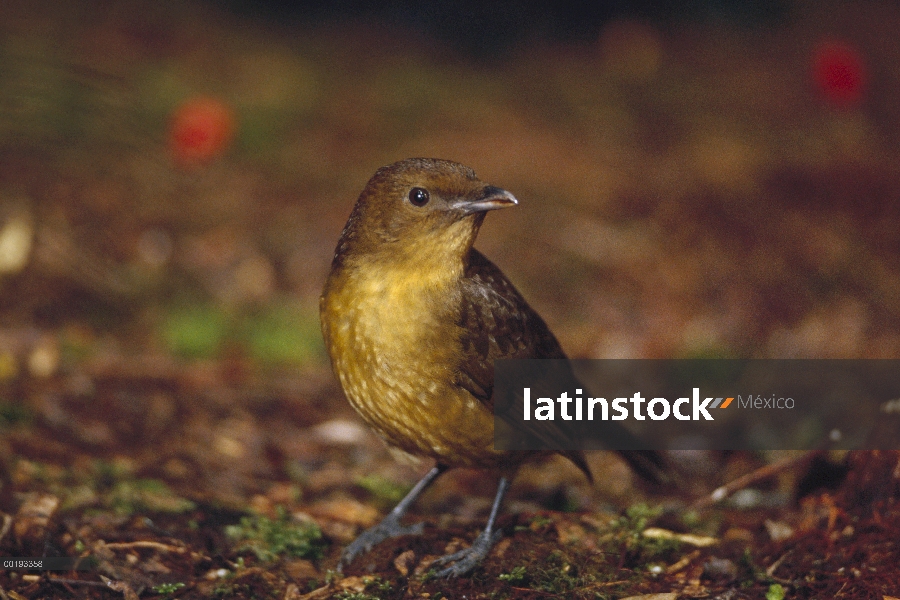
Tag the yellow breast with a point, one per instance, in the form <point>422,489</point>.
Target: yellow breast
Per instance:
<point>392,348</point>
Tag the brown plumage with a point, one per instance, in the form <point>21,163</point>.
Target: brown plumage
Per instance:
<point>413,318</point>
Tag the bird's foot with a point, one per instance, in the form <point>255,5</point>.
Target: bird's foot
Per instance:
<point>469,558</point>
<point>388,528</point>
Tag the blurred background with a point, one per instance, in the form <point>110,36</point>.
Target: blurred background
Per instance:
<point>697,178</point>
<point>706,177</point>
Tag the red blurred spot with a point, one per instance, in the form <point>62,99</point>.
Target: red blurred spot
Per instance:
<point>839,73</point>
<point>200,130</point>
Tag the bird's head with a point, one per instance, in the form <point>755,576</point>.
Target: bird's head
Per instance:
<point>420,205</point>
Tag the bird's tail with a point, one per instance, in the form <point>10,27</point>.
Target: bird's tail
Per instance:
<point>650,465</point>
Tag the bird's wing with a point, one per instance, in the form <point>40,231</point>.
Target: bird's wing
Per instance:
<point>497,323</point>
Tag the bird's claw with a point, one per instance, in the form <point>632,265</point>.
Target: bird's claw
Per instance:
<point>368,539</point>
<point>468,558</point>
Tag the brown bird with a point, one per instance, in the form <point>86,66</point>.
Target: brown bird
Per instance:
<point>414,317</point>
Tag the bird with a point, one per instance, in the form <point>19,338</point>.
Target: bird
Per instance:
<point>414,317</point>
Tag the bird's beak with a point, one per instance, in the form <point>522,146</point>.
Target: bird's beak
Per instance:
<point>491,198</point>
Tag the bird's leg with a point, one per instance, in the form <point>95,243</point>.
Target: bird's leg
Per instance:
<point>466,560</point>
<point>390,526</point>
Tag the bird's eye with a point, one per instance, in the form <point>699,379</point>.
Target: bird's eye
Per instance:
<point>418,196</point>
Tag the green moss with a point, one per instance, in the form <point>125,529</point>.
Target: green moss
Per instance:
<point>270,539</point>
<point>197,331</point>
<point>283,333</point>
<point>375,589</point>
<point>385,492</point>
<point>563,574</point>
<point>167,589</point>
<point>145,495</point>
<point>640,550</point>
<point>514,577</point>
<point>12,415</point>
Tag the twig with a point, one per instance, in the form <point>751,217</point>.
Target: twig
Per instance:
<point>7,523</point>
<point>765,472</point>
<point>120,586</point>
<point>66,581</point>
<point>684,562</point>
<point>771,570</point>
<point>146,544</point>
